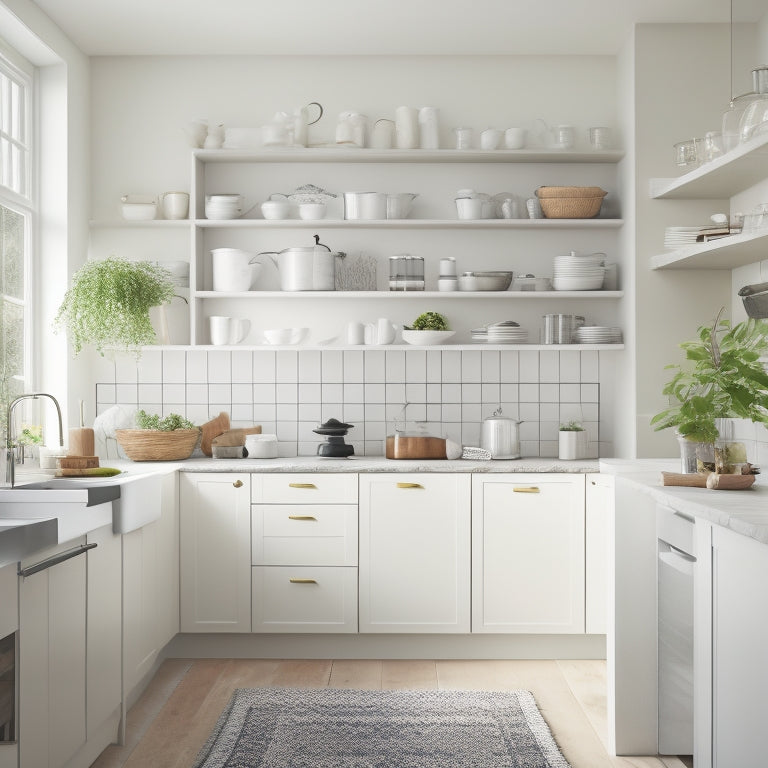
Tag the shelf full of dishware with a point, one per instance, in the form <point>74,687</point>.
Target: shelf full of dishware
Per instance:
<point>725,253</point>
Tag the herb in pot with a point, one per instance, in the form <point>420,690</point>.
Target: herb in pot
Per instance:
<point>170,423</point>
<point>429,321</point>
<point>571,426</point>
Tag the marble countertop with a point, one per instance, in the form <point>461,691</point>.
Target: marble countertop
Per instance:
<point>381,464</point>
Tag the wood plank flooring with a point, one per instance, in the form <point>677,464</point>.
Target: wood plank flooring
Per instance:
<point>173,718</point>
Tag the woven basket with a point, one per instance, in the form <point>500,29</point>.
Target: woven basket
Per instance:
<point>157,445</point>
<point>570,202</point>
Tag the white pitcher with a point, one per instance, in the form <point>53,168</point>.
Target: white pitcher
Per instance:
<point>234,270</point>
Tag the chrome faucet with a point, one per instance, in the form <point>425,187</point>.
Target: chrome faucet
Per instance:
<point>9,437</point>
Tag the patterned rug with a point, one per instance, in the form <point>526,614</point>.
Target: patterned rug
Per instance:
<point>338,728</point>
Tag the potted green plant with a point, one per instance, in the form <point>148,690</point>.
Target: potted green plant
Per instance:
<point>170,439</point>
<point>427,328</point>
<point>109,301</point>
<point>723,378</point>
<point>572,443</point>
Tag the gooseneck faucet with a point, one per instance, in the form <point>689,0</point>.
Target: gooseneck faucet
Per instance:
<point>9,437</point>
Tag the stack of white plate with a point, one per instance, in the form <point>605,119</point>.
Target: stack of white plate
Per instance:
<point>579,273</point>
<point>679,237</point>
<point>228,206</point>
<point>507,332</point>
<point>480,335</point>
<point>597,334</point>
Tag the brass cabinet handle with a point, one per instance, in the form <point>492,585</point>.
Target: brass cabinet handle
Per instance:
<point>302,517</point>
<point>410,485</point>
<point>238,483</point>
<point>302,485</point>
<point>302,581</point>
<point>528,489</point>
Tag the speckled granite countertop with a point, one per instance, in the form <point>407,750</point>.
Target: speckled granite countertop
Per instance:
<point>380,464</point>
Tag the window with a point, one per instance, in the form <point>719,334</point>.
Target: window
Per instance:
<point>16,219</point>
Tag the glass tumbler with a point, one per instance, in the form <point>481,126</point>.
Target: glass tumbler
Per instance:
<point>686,154</point>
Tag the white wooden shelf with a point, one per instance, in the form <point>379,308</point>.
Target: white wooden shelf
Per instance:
<point>382,347</point>
<point>141,224</point>
<point>725,253</point>
<point>534,224</point>
<point>399,295</point>
<point>739,169</point>
<point>331,154</point>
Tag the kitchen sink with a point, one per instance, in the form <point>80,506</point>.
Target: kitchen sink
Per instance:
<point>22,537</point>
<point>90,492</point>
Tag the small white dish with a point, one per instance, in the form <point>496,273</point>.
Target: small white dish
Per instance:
<point>286,336</point>
<point>275,209</point>
<point>312,211</point>
<point>427,338</point>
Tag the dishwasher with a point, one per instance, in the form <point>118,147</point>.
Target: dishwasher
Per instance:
<point>675,570</point>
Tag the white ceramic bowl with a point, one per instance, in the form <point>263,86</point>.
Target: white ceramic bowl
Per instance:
<point>312,211</point>
<point>286,335</point>
<point>275,209</point>
<point>427,338</point>
<point>139,211</point>
<point>261,446</point>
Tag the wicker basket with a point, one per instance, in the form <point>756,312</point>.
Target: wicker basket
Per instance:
<point>570,202</point>
<point>157,445</point>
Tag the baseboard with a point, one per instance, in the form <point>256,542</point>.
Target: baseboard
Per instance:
<point>98,741</point>
<point>319,646</point>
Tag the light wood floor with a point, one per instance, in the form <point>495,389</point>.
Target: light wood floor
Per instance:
<point>173,718</point>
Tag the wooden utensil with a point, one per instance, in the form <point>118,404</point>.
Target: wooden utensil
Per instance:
<point>81,439</point>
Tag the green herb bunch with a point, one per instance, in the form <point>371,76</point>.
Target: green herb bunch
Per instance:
<point>429,321</point>
<point>724,379</point>
<point>571,426</point>
<point>109,302</point>
<point>170,423</point>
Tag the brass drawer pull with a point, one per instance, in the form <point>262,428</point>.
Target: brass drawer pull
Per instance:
<point>238,483</point>
<point>302,485</point>
<point>302,581</point>
<point>410,485</point>
<point>527,489</point>
<point>302,517</point>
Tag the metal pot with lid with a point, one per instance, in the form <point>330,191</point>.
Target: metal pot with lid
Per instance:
<point>500,436</point>
<point>310,268</point>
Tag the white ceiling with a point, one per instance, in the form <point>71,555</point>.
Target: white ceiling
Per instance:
<point>435,27</point>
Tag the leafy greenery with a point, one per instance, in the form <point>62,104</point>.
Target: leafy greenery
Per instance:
<point>171,422</point>
<point>724,379</point>
<point>109,302</point>
<point>571,426</point>
<point>31,434</point>
<point>429,321</point>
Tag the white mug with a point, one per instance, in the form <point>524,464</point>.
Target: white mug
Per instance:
<point>514,138</point>
<point>228,330</point>
<point>490,138</point>
<point>469,207</point>
<point>406,128</point>
<point>385,331</point>
<point>355,333</point>
<point>175,205</point>
<point>429,137</point>
<point>383,134</point>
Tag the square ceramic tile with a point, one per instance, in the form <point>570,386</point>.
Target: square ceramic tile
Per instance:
<point>374,365</point>
<point>333,393</point>
<point>394,412</point>
<point>451,367</point>
<point>286,448</point>
<point>374,412</point>
<point>197,394</point>
<point>287,392</point>
<point>242,366</point>
<point>197,367</point>
<point>220,393</point>
<point>434,411</point>
<point>434,366</point>
<point>287,413</point>
<point>169,408</point>
<point>529,393</point>
<point>451,393</point>
<point>264,366</point>
<point>265,413</point>
<point>305,433</point>
<point>415,366</point>
<point>126,370</point>
<point>374,448</point>
<point>264,393</point>
<point>590,411</point>
<point>417,412</point>
<point>590,366</point>
<point>174,366</point>
<point>490,393</point>
<point>549,411</point>
<point>548,430</point>
<point>310,412</point>
<point>354,393</point>
<point>549,366</point>
<point>286,366</point>
<point>395,373</point>
<point>530,447</point>
<point>470,412</point>
<point>103,369</point>
<point>310,393</point>
<point>548,393</point>
<point>353,366</point>
<point>590,393</point>
<point>471,393</point>
<point>471,366</point>
<point>416,393</point>
<point>529,366</point>
<point>354,413</point>
<point>451,412</point>
<point>105,394</point>
<point>243,413</point>
<point>548,449</point>
<point>242,394</point>
<point>306,449</point>
<point>510,410</point>
<point>127,394</point>
<point>510,366</point>
<point>510,393</point>
<point>491,367</point>
<point>174,393</point>
<point>570,366</point>
<point>570,393</point>
<point>375,393</point>
<point>197,413</point>
<point>571,412</point>
<point>332,366</point>
<point>529,412</point>
<point>331,411</point>
<point>434,393</point>
<point>287,430</point>
<point>150,405</point>
<point>470,434</point>
<point>529,430</point>
<point>452,431</point>
<point>310,366</point>
<point>219,366</point>
<point>395,393</point>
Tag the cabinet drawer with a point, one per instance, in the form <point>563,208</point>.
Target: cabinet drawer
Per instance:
<point>304,599</point>
<point>304,534</point>
<point>305,488</point>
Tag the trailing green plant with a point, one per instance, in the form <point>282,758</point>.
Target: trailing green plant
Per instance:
<point>170,423</point>
<point>109,301</point>
<point>429,321</point>
<point>571,426</point>
<point>723,378</point>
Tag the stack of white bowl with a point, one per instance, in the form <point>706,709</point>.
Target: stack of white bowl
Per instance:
<point>579,273</point>
<point>226,206</point>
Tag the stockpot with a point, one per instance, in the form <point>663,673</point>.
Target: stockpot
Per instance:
<point>501,436</point>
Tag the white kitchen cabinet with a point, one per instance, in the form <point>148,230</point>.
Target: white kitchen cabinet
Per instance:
<point>739,642</point>
<point>215,552</point>
<point>52,658</point>
<point>9,626</point>
<point>304,552</point>
<point>528,553</point>
<point>415,552</point>
<point>598,511</point>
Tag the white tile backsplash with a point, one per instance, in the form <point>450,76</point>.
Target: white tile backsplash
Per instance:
<point>289,392</point>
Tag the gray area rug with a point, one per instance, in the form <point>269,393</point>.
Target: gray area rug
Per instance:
<point>338,728</point>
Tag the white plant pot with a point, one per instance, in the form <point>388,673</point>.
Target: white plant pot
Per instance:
<point>572,445</point>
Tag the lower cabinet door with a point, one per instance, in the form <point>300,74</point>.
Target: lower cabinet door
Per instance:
<point>528,553</point>
<point>414,552</point>
<point>304,599</point>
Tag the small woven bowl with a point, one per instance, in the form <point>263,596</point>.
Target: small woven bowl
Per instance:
<point>157,445</point>
<point>570,202</point>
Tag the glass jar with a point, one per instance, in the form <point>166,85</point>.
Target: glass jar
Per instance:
<point>693,454</point>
